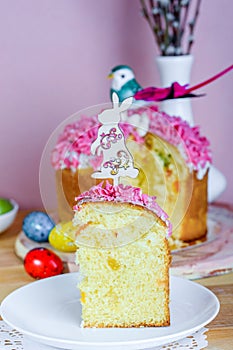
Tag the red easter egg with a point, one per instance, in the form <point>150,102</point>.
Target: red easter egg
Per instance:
<point>42,263</point>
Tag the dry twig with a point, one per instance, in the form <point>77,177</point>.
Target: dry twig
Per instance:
<point>168,20</point>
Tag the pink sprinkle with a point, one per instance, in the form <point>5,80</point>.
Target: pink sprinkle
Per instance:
<point>76,139</point>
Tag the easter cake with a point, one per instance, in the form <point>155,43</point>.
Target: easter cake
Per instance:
<point>123,257</point>
<point>173,159</point>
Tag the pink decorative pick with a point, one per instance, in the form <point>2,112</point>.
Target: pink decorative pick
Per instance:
<point>110,144</point>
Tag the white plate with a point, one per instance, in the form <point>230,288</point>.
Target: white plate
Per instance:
<point>49,312</point>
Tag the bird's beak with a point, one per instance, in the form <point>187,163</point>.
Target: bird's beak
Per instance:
<point>110,76</point>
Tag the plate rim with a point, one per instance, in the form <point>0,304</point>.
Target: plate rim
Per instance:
<point>152,341</point>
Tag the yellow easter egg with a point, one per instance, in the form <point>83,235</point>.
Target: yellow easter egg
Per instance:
<point>60,237</point>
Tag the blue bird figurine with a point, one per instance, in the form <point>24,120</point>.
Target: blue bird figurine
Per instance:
<point>124,83</point>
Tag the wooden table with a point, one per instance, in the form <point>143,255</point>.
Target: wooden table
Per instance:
<point>13,275</point>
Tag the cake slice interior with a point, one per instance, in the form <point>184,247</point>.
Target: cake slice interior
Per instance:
<point>124,261</point>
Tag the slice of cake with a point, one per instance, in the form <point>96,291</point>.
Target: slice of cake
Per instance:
<point>124,258</point>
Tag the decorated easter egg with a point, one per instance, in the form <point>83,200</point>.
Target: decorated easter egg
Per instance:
<point>5,206</point>
<point>42,263</point>
<point>37,226</point>
<point>60,237</point>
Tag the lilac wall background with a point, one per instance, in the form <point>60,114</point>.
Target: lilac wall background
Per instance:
<point>54,57</point>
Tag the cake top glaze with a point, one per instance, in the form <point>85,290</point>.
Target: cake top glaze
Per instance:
<point>72,150</point>
<point>123,194</point>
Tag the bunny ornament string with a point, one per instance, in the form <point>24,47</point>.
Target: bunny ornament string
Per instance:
<point>110,144</point>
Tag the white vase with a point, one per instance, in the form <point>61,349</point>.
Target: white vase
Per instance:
<point>176,69</point>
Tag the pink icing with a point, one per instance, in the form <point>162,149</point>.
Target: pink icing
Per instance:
<point>76,139</point>
<point>123,193</point>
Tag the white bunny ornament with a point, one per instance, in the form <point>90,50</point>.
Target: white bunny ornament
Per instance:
<point>110,143</point>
